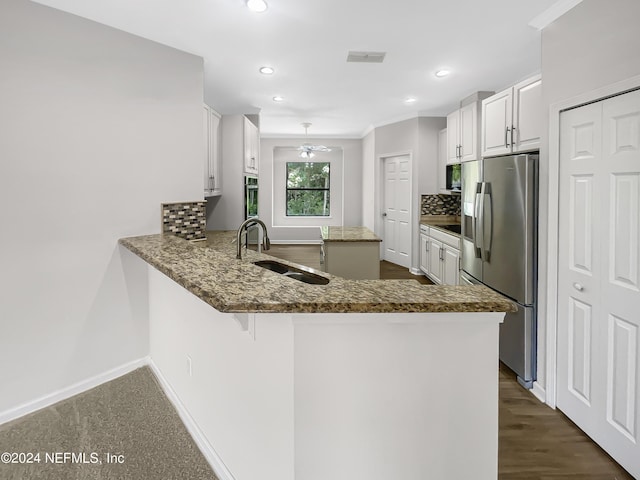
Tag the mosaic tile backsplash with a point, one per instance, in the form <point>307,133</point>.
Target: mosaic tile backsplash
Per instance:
<point>185,219</point>
<point>440,204</point>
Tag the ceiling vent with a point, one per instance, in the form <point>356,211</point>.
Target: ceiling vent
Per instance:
<point>366,57</point>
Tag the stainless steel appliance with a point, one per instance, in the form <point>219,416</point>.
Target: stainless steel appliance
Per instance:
<point>499,247</point>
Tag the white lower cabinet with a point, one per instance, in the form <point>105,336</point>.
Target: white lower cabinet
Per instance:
<point>424,246</point>
<point>450,266</point>
<point>440,256</point>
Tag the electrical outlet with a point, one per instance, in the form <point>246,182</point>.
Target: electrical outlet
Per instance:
<point>189,366</point>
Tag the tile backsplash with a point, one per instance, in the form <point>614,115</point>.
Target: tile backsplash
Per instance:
<point>439,204</point>
<point>185,219</point>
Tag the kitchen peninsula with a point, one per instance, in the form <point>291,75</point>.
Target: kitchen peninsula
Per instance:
<point>285,380</point>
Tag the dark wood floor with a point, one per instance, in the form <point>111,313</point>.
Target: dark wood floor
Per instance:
<point>535,442</point>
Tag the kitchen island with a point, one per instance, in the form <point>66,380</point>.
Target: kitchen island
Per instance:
<point>284,380</point>
<point>351,252</point>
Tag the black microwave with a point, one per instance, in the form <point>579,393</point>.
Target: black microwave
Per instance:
<point>453,179</point>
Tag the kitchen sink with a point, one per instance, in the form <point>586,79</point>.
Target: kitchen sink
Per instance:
<point>273,266</point>
<point>292,272</point>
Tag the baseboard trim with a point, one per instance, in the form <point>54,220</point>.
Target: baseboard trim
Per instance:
<point>416,271</point>
<point>218,466</point>
<point>539,392</point>
<point>70,391</point>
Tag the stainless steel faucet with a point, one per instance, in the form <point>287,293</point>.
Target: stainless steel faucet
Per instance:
<point>266,243</point>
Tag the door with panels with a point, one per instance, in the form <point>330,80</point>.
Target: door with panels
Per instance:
<point>397,210</point>
<point>599,274</point>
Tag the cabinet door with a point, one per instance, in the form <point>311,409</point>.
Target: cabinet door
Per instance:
<point>424,253</point>
<point>451,266</point>
<point>442,160</point>
<point>250,147</point>
<point>435,260</point>
<point>469,132</point>
<point>453,136</point>
<point>496,123</point>
<point>215,153</point>
<point>527,114</point>
<point>206,149</point>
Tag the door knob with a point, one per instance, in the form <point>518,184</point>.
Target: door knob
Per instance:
<point>578,287</point>
<point>384,214</point>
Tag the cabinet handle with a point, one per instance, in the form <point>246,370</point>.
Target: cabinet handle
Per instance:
<point>506,136</point>
<point>426,247</point>
<point>513,129</point>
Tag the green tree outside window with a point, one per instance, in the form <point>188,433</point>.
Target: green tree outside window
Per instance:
<point>308,192</point>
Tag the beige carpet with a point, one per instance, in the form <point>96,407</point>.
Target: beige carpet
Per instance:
<point>129,418</point>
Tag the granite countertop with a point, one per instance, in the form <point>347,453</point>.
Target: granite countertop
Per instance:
<point>348,234</point>
<point>439,220</point>
<point>209,270</point>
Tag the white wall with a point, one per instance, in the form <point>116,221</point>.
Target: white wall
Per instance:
<point>593,45</point>
<point>369,180</point>
<point>419,138</point>
<point>348,178</point>
<point>240,390</point>
<point>226,212</point>
<point>97,128</point>
<point>428,132</point>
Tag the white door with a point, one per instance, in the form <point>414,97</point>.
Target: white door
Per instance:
<point>397,210</point>
<point>599,274</point>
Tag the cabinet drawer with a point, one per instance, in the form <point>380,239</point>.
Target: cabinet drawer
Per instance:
<point>447,239</point>
<point>424,229</point>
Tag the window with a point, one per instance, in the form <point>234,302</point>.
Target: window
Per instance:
<point>308,189</point>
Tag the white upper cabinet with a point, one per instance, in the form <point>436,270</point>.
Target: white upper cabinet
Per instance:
<point>442,160</point>
<point>496,123</point>
<point>463,130</point>
<point>527,112</point>
<point>212,151</point>
<point>469,132</point>
<point>251,147</point>
<point>453,137</point>
<point>512,119</point>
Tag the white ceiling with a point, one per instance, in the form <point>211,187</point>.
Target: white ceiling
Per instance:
<point>486,44</point>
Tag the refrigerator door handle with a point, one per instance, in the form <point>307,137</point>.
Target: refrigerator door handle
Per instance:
<point>476,221</point>
<point>487,221</point>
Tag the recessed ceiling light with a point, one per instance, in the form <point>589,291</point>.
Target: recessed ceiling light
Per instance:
<point>267,70</point>
<point>257,5</point>
<point>410,100</point>
<point>278,98</point>
<point>442,73</point>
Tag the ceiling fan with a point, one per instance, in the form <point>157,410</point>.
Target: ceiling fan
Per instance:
<point>307,150</point>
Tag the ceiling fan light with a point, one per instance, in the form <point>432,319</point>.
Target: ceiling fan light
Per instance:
<point>257,5</point>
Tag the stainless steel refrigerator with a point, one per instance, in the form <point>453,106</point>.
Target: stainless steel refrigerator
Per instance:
<point>499,247</point>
